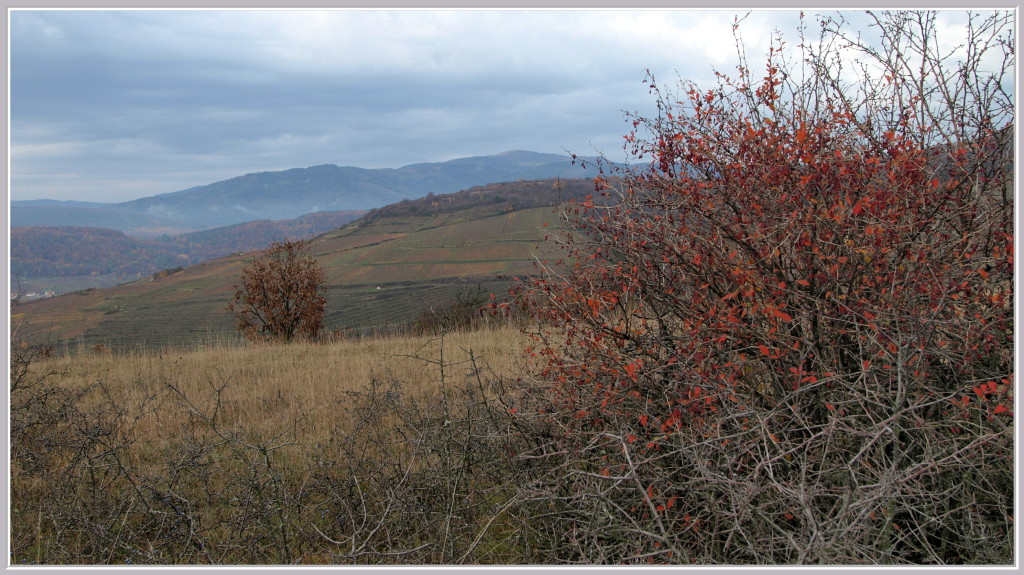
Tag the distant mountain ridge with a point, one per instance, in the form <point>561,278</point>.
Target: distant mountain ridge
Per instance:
<point>292,193</point>
<point>64,203</point>
<point>25,214</point>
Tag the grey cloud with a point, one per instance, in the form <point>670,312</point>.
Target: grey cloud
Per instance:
<point>109,106</point>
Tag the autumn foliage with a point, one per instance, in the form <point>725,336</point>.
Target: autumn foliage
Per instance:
<point>786,334</point>
<point>280,295</point>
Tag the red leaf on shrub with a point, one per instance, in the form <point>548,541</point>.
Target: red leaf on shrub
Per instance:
<point>776,312</point>
<point>631,370</point>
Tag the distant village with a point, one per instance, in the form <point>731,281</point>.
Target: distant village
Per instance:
<point>33,295</point>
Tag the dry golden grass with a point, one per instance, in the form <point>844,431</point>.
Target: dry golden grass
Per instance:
<point>250,454</point>
<point>265,389</point>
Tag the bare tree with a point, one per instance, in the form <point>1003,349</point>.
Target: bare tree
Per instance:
<point>280,296</point>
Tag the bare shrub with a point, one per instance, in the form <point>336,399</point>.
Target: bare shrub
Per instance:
<point>464,313</point>
<point>186,475</point>
<point>74,497</point>
<point>425,479</point>
<point>786,336</point>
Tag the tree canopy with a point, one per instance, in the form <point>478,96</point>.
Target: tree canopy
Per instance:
<point>280,294</point>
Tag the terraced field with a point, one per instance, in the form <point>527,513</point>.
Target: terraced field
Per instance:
<point>380,274</point>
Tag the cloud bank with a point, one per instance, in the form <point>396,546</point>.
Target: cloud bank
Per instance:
<point>119,104</point>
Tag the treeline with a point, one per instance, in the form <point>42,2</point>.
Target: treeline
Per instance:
<point>506,195</point>
<point>258,234</point>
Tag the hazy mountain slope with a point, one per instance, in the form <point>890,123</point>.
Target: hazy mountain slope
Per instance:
<point>382,270</point>
<point>24,214</point>
<point>63,203</point>
<point>290,193</point>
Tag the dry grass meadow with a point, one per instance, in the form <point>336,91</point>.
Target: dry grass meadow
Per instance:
<point>266,388</point>
<point>366,451</point>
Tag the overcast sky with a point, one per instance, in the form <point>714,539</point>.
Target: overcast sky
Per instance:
<point>115,105</point>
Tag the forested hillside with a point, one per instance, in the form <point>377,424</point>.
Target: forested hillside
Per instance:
<point>76,251</point>
<point>69,252</point>
<point>258,234</point>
